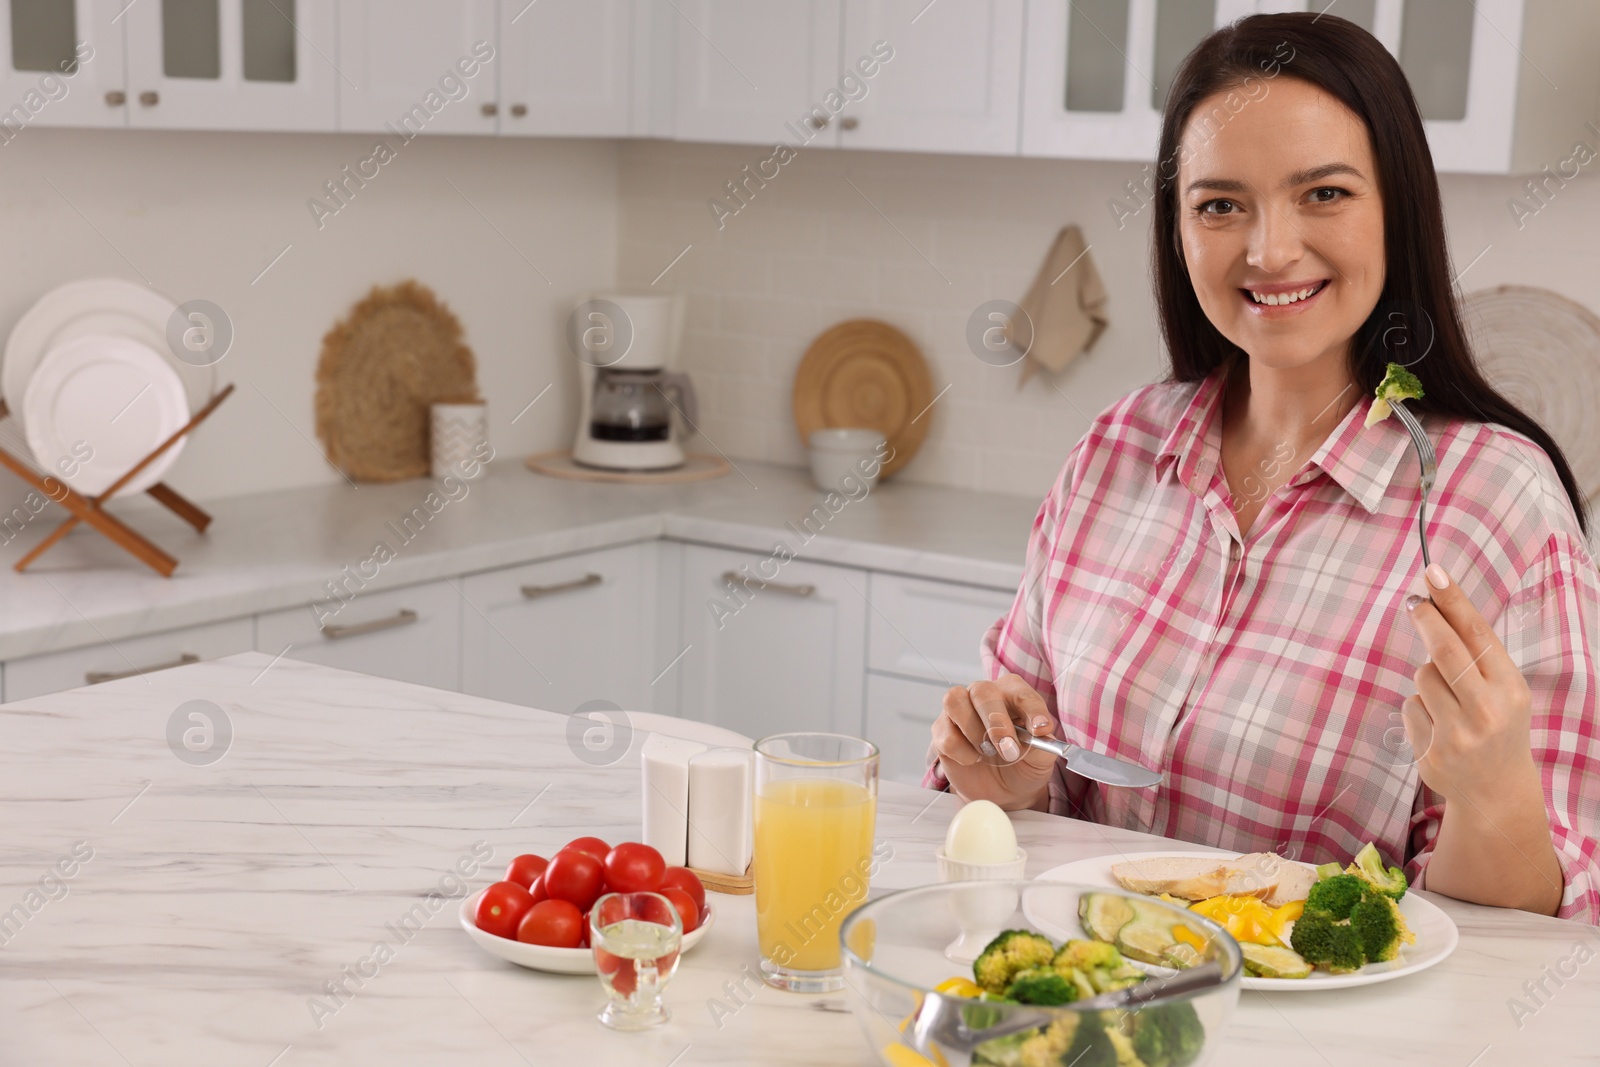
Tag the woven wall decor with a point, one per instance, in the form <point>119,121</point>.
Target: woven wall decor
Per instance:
<point>397,352</point>
<point>1542,351</point>
<point>865,374</point>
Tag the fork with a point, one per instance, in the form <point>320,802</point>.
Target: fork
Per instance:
<point>1430,467</point>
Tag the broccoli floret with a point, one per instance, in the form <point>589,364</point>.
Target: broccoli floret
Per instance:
<point>1327,943</point>
<point>1040,985</point>
<point>1368,865</point>
<point>1398,384</point>
<point>1085,955</point>
<point>1328,870</point>
<point>1003,1051</point>
<point>1092,1045</point>
<point>1008,954</point>
<point>1167,1035</point>
<point>1336,895</point>
<point>1380,927</point>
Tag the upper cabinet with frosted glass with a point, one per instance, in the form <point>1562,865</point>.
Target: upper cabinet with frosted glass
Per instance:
<point>61,64</point>
<point>232,64</point>
<point>1503,85</point>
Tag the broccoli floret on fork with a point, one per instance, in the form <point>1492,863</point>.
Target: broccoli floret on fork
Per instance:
<point>1398,384</point>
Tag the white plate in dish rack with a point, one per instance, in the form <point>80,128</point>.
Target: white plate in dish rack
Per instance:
<point>109,306</point>
<point>98,405</point>
<point>1436,933</point>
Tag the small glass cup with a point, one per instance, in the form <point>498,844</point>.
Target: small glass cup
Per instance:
<point>636,938</point>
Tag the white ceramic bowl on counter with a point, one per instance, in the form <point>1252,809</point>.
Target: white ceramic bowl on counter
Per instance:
<point>841,458</point>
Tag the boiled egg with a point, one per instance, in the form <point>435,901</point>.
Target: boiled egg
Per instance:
<point>981,833</point>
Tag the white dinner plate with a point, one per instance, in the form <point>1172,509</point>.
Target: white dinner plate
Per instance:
<point>1436,934</point>
<point>95,306</point>
<point>545,958</point>
<point>98,405</point>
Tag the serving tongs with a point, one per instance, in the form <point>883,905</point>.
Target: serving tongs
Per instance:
<point>1430,468</point>
<point>942,1019</point>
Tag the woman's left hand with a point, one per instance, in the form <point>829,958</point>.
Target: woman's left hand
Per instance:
<point>1468,722</point>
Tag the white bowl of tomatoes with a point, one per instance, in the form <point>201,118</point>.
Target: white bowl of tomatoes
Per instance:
<point>538,915</point>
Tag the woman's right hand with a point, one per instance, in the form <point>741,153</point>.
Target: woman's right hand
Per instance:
<point>1009,772</point>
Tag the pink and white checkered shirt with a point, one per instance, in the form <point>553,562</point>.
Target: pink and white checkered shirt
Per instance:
<point>1266,679</point>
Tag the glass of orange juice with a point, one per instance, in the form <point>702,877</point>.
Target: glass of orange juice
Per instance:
<point>816,799</point>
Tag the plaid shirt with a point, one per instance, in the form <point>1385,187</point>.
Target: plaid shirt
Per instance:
<point>1266,679</point>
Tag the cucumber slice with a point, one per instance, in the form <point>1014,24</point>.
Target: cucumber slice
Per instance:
<point>1272,961</point>
<point>1104,914</point>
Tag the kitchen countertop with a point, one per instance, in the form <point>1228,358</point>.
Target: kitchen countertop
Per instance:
<point>217,902</point>
<point>270,551</point>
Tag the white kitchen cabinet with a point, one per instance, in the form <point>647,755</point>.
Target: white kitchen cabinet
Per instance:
<point>764,658</point>
<point>418,66</point>
<point>568,67</point>
<point>32,676</point>
<point>61,64</point>
<point>557,634</point>
<point>931,630</point>
<point>1485,74</point>
<point>746,68</point>
<point>232,64</point>
<point>412,634</point>
<point>900,717</point>
<point>953,83</point>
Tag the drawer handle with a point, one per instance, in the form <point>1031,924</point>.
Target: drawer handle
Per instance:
<point>736,578</point>
<point>534,592</point>
<point>183,660</point>
<point>403,617</point>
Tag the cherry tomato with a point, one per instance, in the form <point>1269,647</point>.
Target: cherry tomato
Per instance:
<point>592,845</point>
<point>551,922</point>
<point>524,869</point>
<point>634,868</point>
<point>684,905</point>
<point>689,882</point>
<point>623,972</point>
<point>502,906</point>
<point>575,877</point>
<point>536,890</point>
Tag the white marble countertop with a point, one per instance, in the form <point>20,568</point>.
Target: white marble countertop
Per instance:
<point>276,550</point>
<point>218,900</point>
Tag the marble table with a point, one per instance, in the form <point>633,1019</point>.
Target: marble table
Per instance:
<point>173,905</point>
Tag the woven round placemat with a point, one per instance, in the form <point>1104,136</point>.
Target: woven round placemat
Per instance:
<point>397,352</point>
<point>865,374</point>
<point>1542,351</point>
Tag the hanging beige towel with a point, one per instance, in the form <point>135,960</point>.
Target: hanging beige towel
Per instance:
<point>1066,306</point>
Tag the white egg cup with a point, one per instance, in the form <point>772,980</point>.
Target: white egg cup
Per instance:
<point>981,912</point>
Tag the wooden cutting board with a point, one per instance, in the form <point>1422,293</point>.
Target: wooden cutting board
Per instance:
<point>866,374</point>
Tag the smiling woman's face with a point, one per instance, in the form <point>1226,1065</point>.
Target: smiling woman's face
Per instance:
<point>1277,203</point>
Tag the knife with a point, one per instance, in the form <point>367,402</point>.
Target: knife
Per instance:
<point>1101,768</point>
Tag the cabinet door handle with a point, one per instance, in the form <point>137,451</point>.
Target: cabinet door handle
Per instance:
<point>793,590</point>
<point>403,617</point>
<point>534,592</point>
<point>96,677</point>
<point>149,98</point>
<point>849,122</point>
<point>116,98</point>
<point>489,110</point>
<point>519,110</point>
<point>818,121</point>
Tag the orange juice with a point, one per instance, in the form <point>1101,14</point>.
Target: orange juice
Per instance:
<point>813,852</point>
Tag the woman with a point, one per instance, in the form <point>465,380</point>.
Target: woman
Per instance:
<point>1217,585</point>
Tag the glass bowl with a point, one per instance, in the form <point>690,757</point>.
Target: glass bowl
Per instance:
<point>893,950</point>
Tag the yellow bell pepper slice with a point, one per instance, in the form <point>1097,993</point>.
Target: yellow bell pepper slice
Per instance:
<point>959,987</point>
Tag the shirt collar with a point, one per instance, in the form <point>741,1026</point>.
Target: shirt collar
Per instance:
<point>1359,458</point>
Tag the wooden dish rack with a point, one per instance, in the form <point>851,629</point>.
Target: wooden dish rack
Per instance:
<point>16,456</point>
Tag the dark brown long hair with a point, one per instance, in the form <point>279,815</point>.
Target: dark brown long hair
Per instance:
<point>1416,316</point>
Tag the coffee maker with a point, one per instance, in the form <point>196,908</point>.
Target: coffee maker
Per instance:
<point>627,346</point>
